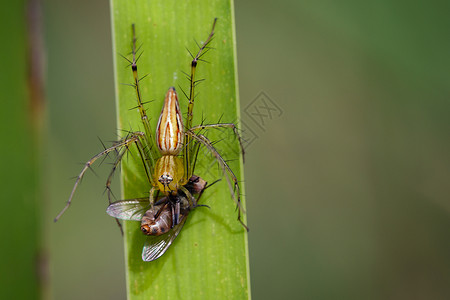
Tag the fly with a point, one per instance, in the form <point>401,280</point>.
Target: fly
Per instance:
<point>161,223</point>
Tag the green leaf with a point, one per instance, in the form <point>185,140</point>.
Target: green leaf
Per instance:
<point>20,131</point>
<point>209,258</point>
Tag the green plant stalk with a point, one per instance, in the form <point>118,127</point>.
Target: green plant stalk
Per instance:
<point>19,117</point>
<point>209,258</point>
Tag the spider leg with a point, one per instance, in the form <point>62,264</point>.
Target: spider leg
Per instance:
<point>187,149</point>
<point>223,125</point>
<point>140,106</point>
<point>231,178</point>
<point>191,199</point>
<point>151,198</point>
<point>113,170</point>
<point>108,181</point>
<point>126,142</point>
<point>146,161</point>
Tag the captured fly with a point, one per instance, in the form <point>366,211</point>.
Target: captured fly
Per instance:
<point>161,222</point>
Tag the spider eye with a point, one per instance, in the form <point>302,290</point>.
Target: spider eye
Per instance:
<point>165,179</point>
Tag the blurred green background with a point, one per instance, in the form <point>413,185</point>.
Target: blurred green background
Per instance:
<point>347,166</point>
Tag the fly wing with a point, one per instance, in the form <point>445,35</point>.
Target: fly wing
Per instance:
<point>132,209</point>
<point>156,246</point>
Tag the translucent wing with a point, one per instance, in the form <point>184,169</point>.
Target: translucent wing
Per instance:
<point>132,209</point>
<point>156,246</point>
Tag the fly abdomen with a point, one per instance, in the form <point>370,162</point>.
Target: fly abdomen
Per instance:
<point>156,222</point>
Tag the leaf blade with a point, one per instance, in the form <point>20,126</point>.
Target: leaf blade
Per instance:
<point>209,259</point>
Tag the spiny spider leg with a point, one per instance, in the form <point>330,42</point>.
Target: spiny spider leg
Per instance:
<point>123,151</point>
<point>146,161</point>
<point>223,125</point>
<point>234,187</point>
<point>119,157</point>
<point>145,121</point>
<point>187,149</point>
<point>113,170</point>
<point>126,142</point>
<point>144,158</point>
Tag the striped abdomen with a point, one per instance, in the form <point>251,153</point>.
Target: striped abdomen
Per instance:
<point>169,132</point>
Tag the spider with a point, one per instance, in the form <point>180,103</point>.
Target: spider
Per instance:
<point>169,157</point>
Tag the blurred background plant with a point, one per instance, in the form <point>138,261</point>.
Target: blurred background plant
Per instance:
<point>347,166</point>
